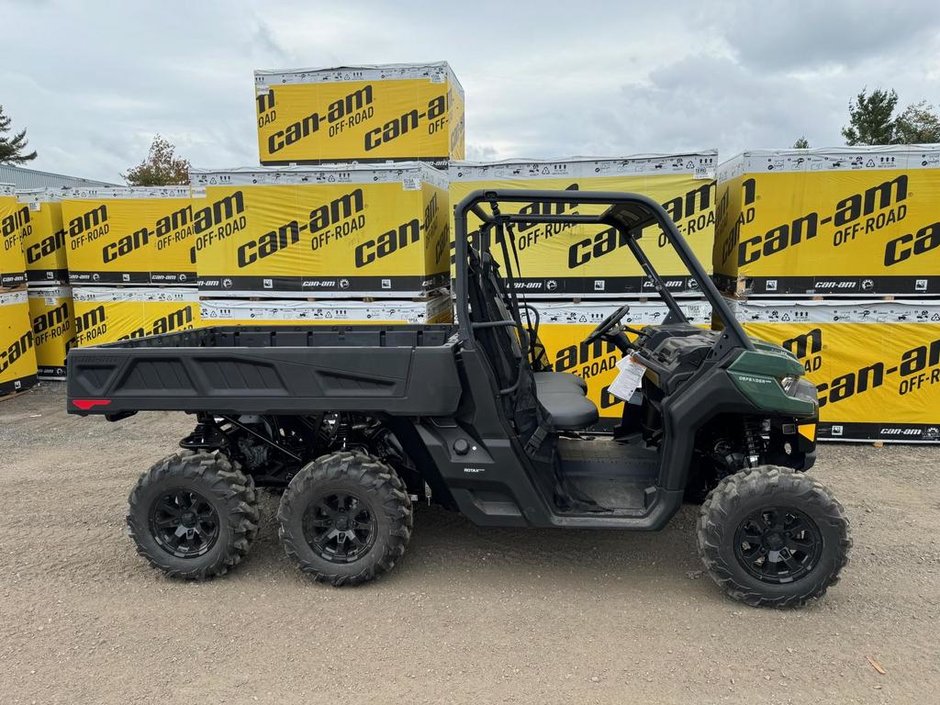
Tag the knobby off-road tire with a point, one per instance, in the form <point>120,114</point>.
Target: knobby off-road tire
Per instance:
<point>345,518</point>
<point>770,536</point>
<point>193,515</point>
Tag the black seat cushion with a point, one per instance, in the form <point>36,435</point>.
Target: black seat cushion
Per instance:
<point>554,380</point>
<point>565,404</point>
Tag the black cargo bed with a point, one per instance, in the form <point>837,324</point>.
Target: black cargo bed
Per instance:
<point>398,369</point>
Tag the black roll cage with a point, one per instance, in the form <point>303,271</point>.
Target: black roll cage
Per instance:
<point>628,213</point>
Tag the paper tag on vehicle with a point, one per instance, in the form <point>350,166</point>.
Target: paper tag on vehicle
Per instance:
<point>629,378</point>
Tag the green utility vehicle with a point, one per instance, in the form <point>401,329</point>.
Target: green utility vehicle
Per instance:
<point>358,423</point>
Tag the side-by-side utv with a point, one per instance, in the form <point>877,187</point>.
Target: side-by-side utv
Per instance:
<point>356,423</point>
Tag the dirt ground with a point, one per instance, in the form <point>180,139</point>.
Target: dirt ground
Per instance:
<point>471,615</point>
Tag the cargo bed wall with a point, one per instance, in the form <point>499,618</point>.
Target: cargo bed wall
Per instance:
<point>289,371</point>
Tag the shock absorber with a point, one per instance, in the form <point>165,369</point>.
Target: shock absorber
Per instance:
<point>752,441</point>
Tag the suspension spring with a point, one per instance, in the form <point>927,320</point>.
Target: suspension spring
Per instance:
<point>751,436</point>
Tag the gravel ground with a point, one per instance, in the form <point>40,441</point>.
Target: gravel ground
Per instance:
<point>471,615</point>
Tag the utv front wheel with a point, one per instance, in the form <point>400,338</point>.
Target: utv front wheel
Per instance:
<point>193,515</point>
<point>773,537</point>
<point>345,518</point>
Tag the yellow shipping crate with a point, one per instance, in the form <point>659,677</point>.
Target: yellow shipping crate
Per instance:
<point>876,364</point>
<point>17,355</point>
<point>53,321</point>
<point>109,314</point>
<point>321,231</point>
<point>360,113</point>
<point>564,326</point>
<point>845,221</point>
<point>44,245</point>
<point>583,260</point>
<point>14,226</point>
<point>438,309</point>
<point>130,235</point>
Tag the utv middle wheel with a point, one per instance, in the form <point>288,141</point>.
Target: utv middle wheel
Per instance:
<point>773,537</point>
<point>345,518</point>
<point>193,515</point>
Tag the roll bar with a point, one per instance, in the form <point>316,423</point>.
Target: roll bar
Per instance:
<point>629,213</point>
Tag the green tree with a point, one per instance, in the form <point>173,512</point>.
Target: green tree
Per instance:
<point>801,143</point>
<point>918,124</point>
<point>161,167</point>
<point>870,118</point>
<point>12,148</point>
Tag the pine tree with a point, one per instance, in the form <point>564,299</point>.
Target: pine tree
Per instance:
<point>12,148</point>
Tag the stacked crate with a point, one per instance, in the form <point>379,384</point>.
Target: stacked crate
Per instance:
<point>131,261</point>
<point>574,276</point>
<point>51,308</point>
<point>17,349</point>
<point>346,220</point>
<point>360,114</point>
<point>329,236</point>
<point>835,254</point>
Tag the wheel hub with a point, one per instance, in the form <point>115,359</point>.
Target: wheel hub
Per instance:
<point>778,544</point>
<point>773,541</point>
<point>184,523</point>
<point>339,527</point>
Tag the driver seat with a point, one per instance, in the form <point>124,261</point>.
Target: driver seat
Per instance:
<point>560,394</point>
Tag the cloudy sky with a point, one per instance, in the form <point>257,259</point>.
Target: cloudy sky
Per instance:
<point>93,80</point>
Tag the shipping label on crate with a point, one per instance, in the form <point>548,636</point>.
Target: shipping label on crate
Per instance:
<point>130,236</point>
<point>564,326</point>
<point>365,114</point>
<point>240,312</point>
<point>876,365</point>
<point>109,314</point>
<point>15,226</point>
<point>44,244</point>
<point>584,260</point>
<point>830,230</point>
<point>322,233</point>
<point>52,314</point>
<point>17,353</point>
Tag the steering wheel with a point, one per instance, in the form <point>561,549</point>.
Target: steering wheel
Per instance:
<point>607,324</point>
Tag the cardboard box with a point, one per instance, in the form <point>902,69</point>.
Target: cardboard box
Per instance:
<point>130,235</point>
<point>44,243</point>
<point>564,326</point>
<point>591,261</point>
<point>876,364</point>
<point>240,312</point>
<point>411,112</point>
<point>14,225</point>
<point>333,231</point>
<point>53,319</point>
<point>851,221</point>
<point>17,355</point>
<point>109,314</point>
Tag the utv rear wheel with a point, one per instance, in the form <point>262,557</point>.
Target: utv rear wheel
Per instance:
<point>345,518</point>
<point>773,537</point>
<point>193,515</point>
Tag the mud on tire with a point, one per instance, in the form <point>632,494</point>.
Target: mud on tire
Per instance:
<point>345,518</point>
<point>193,515</point>
<point>770,536</point>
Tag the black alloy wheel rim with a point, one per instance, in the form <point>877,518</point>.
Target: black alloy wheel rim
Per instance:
<point>339,527</point>
<point>778,545</point>
<point>184,523</point>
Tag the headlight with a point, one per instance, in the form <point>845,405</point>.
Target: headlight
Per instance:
<point>788,383</point>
